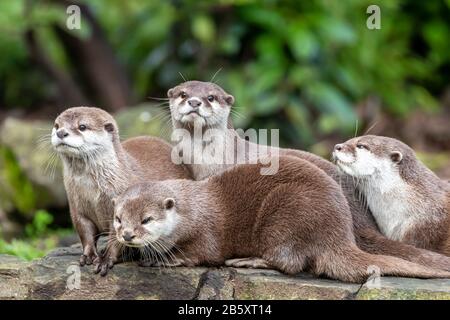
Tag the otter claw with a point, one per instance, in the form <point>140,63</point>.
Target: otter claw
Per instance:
<point>103,266</point>
<point>87,260</point>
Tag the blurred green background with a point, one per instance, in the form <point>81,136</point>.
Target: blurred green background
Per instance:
<point>310,68</point>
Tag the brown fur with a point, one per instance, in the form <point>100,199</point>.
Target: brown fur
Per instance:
<point>133,161</point>
<point>295,220</point>
<point>430,194</point>
<point>368,236</point>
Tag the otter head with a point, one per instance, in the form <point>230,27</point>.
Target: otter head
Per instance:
<point>203,104</point>
<point>146,214</point>
<point>82,131</point>
<point>369,156</point>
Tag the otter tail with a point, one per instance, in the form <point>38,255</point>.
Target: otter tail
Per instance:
<point>355,265</point>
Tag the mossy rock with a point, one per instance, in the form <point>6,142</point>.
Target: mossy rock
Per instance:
<point>58,276</point>
<point>390,288</point>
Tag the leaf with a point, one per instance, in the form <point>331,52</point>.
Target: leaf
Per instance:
<point>203,28</point>
<point>265,17</point>
<point>302,75</point>
<point>302,42</point>
<point>337,31</point>
<point>332,103</point>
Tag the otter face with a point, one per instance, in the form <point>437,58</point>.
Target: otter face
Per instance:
<point>367,156</point>
<point>141,220</point>
<point>82,131</point>
<point>203,104</point>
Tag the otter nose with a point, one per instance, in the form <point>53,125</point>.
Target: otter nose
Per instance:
<point>338,147</point>
<point>195,103</point>
<point>61,133</point>
<point>128,236</point>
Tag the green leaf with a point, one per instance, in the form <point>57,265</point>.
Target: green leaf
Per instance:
<point>337,31</point>
<point>330,101</point>
<point>302,42</point>
<point>203,28</point>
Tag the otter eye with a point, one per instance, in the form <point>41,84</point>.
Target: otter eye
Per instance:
<point>147,220</point>
<point>362,146</point>
<point>56,126</point>
<point>183,95</point>
<point>82,127</point>
<point>210,98</point>
<point>118,219</point>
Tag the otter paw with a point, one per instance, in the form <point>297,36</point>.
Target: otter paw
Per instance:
<point>87,259</point>
<point>102,265</point>
<point>255,263</point>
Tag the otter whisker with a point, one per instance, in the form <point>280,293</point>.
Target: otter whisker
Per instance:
<point>157,98</point>
<point>161,105</point>
<point>161,250</point>
<point>167,250</point>
<point>184,79</point>
<point>215,74</point>
<point>159,256</point>
<point>371,127</point>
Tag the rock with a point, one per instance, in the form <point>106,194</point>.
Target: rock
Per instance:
<point>13,276</point>
<point>270,284</point>
<point>390,288</point>
<point>217,284</point>
<point>58,276</point>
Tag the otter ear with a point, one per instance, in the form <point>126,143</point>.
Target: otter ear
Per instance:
<point>114,201</point>
<point>170,93</point>
<point>109,127</point>
<point>396,156</point>
<point>169,203</point>
<point>229,99</point>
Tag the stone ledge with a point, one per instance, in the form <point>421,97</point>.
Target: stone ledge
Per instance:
<point>56,277</point>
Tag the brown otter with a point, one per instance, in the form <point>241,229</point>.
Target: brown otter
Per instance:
<point>98,167</point>
<point>206,105</point>
<point>294,220</point>
<point>409,202</point>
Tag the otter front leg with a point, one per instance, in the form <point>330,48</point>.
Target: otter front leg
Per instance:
<point>251,262</point>
<point>87,232</point>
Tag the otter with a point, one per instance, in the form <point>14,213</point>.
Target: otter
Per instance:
<point>206,105</point>
<point>409,202</point>
<point>97,167</point>
<point>294,220</point>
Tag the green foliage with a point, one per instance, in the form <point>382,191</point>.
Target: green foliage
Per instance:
<point>28,249</point>
<point>16,185</point>
<point>39,226</point>
<point>300,65</point>
<point>39,238</point>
